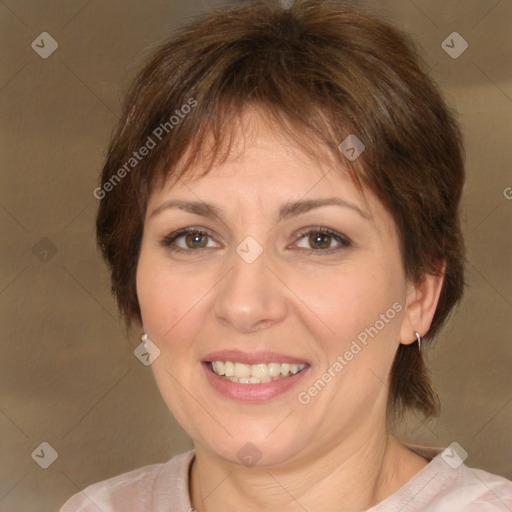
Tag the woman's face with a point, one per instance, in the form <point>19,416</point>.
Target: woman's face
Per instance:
<point>286,266</point>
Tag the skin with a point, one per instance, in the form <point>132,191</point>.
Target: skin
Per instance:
<point>334,453</point>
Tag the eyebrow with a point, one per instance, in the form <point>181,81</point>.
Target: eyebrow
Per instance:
<point>290,209</point>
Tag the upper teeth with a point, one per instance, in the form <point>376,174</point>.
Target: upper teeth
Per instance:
<point>255,373</point>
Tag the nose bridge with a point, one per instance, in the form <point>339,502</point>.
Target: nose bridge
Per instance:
<point>250,297</point>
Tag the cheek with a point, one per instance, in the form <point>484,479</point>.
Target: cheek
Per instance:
<point>357,312</point>
<point>357,328</point>
<point>349,300</point>
<point>166,295</point>
<point>172,305</point>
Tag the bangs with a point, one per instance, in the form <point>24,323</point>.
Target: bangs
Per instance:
<point>220,129</point>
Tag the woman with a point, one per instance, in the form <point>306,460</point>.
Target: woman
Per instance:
<point>279,211</point>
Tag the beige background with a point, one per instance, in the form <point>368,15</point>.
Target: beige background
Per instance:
<point>68,374</point>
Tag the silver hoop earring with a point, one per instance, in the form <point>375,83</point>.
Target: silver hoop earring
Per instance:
<point>418,338</point>
<point>144,339</point>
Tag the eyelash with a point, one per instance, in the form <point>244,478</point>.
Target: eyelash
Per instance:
<point>341,239</point>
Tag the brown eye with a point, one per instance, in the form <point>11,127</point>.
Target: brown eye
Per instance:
<point>322,240</point>
<point>196,240</point>
<point>189,240</point>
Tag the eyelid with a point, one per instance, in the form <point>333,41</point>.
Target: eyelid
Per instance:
<point>169,239</point>
<point>341,239</point>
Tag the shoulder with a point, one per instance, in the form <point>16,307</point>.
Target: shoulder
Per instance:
<point>479,491</point>
<point>134,490</point>
<point>446,483</point>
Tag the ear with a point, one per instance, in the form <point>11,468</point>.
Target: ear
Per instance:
<point>420,306</point>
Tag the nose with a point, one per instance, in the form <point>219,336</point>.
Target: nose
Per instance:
<point>251,297</point>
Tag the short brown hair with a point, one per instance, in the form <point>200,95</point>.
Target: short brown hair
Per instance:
<point>329,69</point>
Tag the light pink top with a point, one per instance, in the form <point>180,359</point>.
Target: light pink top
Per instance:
<point>444,485</point>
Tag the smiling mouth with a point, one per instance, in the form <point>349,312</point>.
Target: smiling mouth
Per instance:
<point>259,373</point>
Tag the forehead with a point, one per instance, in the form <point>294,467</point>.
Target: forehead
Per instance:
<point>265,171</point>
<point>259,155</point>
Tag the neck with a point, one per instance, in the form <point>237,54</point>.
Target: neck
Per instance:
<point>354,475</point>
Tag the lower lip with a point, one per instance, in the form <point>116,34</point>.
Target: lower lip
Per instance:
<point>252,392</point>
